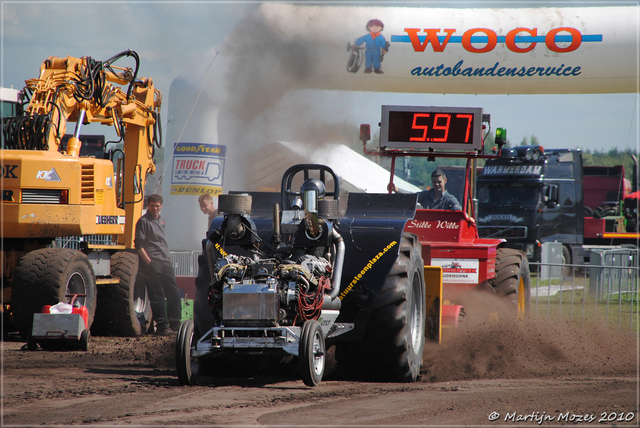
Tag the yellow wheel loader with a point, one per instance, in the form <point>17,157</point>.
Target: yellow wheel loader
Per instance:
<point>49,191</point>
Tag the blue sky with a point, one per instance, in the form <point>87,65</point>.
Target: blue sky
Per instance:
<point>171,36</point>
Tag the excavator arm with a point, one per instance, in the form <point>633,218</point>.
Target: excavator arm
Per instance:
<point>83,90</point>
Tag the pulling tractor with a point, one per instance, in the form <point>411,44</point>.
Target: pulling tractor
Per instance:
<point>51,191</point>
<point>286,274</point>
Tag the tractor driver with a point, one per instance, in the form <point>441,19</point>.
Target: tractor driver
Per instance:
<point>437,198</point>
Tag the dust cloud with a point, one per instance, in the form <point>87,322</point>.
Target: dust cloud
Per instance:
<point>265,73</point>
<point>503,347</point>
<point>263,67</point>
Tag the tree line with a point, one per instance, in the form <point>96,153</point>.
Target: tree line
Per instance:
<point>418,169</point>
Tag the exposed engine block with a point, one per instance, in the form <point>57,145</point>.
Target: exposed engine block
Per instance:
<point>266,292</point>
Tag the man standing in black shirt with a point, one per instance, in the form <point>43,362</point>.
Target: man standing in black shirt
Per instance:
<point>155,265</point>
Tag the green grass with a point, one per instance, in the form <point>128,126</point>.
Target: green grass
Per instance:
<point>620,312</point>
<point>187,309</point>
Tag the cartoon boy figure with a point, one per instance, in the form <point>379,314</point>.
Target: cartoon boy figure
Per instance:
<point>375,46</point>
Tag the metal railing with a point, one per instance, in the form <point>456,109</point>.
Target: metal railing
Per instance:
<point>75,242</point>
<point>605,291</point>
<point>185,263</point>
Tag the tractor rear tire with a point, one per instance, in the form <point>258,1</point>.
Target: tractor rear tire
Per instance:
<point>124,308</point>
<point>44,277</point>
<point>393,342</point>
<point>512,281</point>
<point>202,312</point>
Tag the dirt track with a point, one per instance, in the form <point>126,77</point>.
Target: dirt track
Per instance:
<point>532,373</point>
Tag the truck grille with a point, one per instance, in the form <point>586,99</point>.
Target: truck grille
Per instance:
<point>502,231</point>
<point>87,183</point>
<point>41,196</point>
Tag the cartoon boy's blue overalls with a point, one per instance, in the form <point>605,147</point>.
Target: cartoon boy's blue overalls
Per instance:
<point>373,49</point>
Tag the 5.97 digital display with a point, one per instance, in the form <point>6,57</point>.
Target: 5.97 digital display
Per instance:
<point>431,127</point>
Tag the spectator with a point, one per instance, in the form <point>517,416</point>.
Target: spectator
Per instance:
<point>207,207</point>
<point>155,266</point>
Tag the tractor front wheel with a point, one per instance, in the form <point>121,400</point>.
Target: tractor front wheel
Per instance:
<point>311,353</point>
<point>187,366</point>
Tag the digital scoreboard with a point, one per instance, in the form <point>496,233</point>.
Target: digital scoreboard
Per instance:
<point>412,127</point>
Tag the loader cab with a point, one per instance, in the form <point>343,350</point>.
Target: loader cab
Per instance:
<point>9,100</point>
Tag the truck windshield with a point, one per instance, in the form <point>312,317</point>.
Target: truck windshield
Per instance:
<point>508,194</point>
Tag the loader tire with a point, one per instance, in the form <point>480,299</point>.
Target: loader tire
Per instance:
<point>512,281</point>
<point>45,277</point>
<point>124,308</point>
<point>393,342</point>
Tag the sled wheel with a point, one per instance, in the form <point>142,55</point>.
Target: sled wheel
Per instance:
<point>85,337</point>
<point>512,281</point>
<point>45,277</point>
<point>124,308</point>
<point>311,353</point>
<point>393,342</point>
<point>188,368</point>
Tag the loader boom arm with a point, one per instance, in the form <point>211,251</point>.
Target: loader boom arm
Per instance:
<point>83,90</point>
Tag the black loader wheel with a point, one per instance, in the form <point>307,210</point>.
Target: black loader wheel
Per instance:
<point>123,308</point>
<point>392,346</point>
<point>512,281</point>
<point>45,277</point>
<point>188,368</point>
<point>311,353</point>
